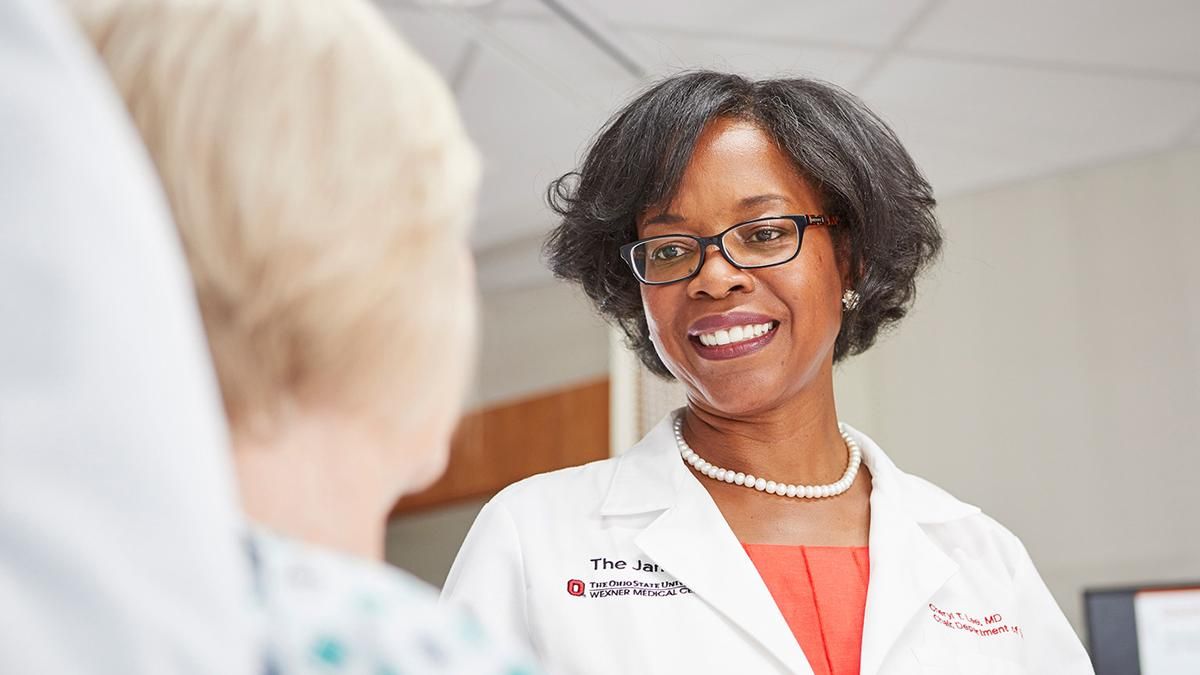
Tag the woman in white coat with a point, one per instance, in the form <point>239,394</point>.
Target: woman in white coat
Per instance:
<point>746,236</point>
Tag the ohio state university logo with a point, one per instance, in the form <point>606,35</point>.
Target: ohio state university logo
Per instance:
<point>575,587</point>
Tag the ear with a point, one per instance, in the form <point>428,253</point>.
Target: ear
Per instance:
<point>850,270</point>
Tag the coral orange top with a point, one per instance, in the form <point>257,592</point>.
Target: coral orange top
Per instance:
<point>822,593</point>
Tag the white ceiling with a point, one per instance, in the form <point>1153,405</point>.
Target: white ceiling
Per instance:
<point>981,92</point>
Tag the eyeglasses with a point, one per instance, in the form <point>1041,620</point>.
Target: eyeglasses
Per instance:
<point>754,244</point>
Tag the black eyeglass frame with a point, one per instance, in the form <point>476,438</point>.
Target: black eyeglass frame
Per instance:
<point>802,223</point>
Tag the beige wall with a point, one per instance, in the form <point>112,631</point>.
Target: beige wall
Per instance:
<point>537,338</point>
<point>426,542</point>
<point>1051,371</point>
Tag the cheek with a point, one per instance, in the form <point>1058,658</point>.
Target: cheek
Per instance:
<point>661,305</point>
<point>809,287</point>
<point>815,294</point>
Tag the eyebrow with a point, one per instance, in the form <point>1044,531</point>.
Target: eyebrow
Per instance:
<point>666,218</point>
<point>663,219</point>
<point>758,200</point>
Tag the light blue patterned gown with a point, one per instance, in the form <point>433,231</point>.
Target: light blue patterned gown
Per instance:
<point>326,612</point>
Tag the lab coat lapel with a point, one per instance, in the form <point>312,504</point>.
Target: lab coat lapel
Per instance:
<point>907,568</point>
<point>691,541</point>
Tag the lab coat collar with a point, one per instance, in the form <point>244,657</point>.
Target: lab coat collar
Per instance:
<point>907,566</point>
<point>692,541</point>
<point>646,475</point>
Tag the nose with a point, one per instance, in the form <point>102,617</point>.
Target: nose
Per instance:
<point>718,278</point>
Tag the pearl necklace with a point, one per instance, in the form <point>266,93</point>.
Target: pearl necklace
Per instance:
<point>763,485</point>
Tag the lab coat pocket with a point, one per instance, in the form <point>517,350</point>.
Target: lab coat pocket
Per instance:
<point>945,661</point>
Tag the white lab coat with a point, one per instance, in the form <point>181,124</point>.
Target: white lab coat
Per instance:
<point>951,590</point>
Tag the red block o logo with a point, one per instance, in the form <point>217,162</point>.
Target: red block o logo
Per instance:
<point>575,587</point>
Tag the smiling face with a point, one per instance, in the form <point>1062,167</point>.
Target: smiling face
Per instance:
<point>744,341</point>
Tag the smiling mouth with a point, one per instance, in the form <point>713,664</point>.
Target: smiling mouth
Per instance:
<point>733,342</point>
<point>735,335</point>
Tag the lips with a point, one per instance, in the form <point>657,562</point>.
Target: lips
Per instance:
<point>727,336</point>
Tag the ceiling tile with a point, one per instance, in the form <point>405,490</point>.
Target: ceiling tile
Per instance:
<point>670,52</point>
<point>1147,34</point>
<point>435,35</point>
<point>862,23</point>
<point>971,125</point>
<point>561,56</point>
<point>532,116</point>
<point>524,8</point>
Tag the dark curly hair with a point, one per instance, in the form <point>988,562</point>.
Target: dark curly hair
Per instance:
<point>887,231</point>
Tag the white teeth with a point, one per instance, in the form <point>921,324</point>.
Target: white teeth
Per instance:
<point>735,334</point>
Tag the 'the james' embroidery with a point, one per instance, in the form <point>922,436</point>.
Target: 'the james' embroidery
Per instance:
<point>649,582</point>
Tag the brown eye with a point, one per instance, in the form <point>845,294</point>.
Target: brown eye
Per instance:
<point>766,234</point>
<point>669,252</point>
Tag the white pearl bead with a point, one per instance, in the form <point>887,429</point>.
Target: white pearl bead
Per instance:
<point>853,463</point>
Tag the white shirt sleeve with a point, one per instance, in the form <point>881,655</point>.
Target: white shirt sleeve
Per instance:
<point>488,575</point>
<point>119,548</point>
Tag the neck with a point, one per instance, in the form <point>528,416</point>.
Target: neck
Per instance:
<point>797,441</point>
<point>317,480</point>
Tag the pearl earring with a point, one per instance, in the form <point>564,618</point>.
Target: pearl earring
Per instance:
<point>850,300</point>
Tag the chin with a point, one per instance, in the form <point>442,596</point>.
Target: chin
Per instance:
<point>735,402</point>
<point>745,392</point>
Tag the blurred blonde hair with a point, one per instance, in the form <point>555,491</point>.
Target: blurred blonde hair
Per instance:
<point>322,185</point>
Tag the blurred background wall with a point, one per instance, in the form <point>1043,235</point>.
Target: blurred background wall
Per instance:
<point>1050,371</point>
